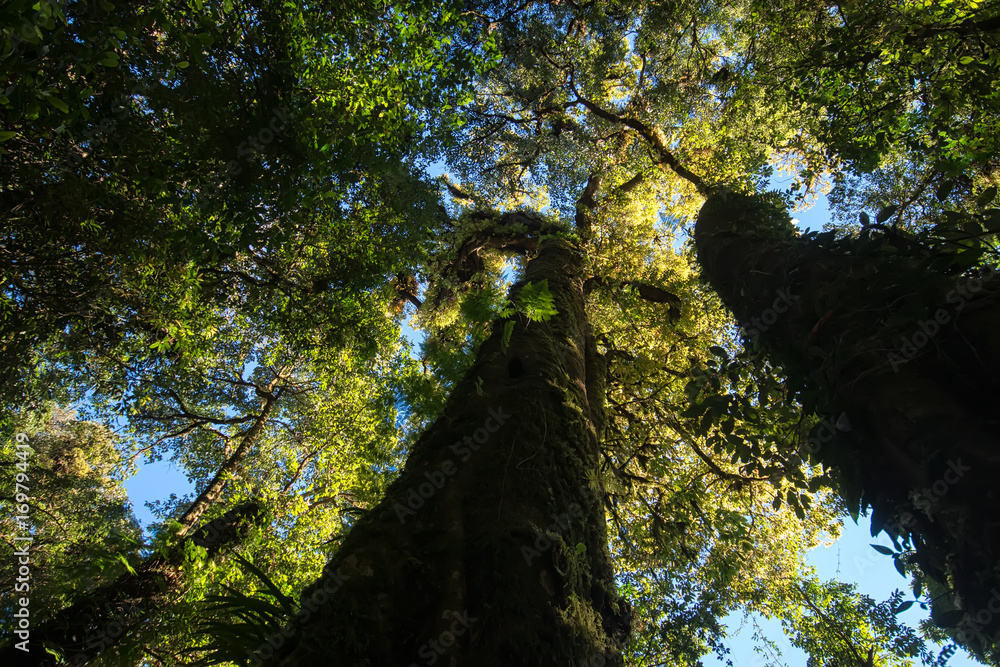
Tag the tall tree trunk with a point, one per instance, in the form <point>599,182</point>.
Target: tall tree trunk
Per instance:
<point>911,356</point>
<point>231,467</point>
<point>491,546</point>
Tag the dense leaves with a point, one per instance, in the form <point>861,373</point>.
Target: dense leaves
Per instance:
<point>216,217</point>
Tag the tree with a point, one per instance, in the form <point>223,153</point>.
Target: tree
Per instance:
<point>901,345</point>
<point>84,531</point>
<point>606,380</point>
<point>199,192</point>
<point>919,451</point>
<point>162,164</point>
<point>543,96</point>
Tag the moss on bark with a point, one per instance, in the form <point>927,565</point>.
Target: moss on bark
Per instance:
<point>491,547</point>
<point>923,450</point>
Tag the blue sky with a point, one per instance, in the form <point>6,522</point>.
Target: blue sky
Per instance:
<point>850,559</point>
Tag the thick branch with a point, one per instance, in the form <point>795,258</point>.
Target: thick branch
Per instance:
<point>214,489</point>
<point>655,138</point>
<point>406,288</point>
<point>630,184</point>
<point>457,192</point>
<point>467,263</point>
<point>585,205</point>
<point>645,291</point>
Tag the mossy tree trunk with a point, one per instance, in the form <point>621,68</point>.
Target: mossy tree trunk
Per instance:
<point>912,357</point>
<point>491,546</point>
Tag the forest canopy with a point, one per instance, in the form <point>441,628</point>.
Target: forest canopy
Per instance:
<point>483,333</point>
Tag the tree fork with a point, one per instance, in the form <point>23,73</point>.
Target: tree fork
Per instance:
<point>491,546</point>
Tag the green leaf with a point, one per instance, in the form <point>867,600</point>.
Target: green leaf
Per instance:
<point>992,220</point>
<point>903,607</point>
<point>719,352</point>
<point>536,301</point>
<point>508,329</point>
<point>854,509</point>
<point>885,214</point>
<point>128,566</point>
<point>966,60</point>
<point>183,64</point>
<point>987,196</point>
<point>5,135</point>
<point>865,220</point>
<point>286,602</point>
<point>944,190</point>
<point>59,104</point>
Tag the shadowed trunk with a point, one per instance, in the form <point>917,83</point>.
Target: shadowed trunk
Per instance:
<point>911,356</point>
<point>491,547</point>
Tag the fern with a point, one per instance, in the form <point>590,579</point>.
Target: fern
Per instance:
<point>536,302</point>
<point>248,620</point>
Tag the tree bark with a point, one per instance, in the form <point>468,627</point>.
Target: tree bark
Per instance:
<point>913,359</point>
<point>232,465</point>
<point>491,546</point>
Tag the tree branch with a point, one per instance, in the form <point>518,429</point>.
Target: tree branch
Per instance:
<point>645,291</point>
<point>586,204</point>
<point>215,487</point>
<point>654,137</point>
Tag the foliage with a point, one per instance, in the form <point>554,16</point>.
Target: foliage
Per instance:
<point>837,626</point>
<point>199,173</point>
<point>232,303</point>
<point>899,94</point>
<point>82,527</point>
